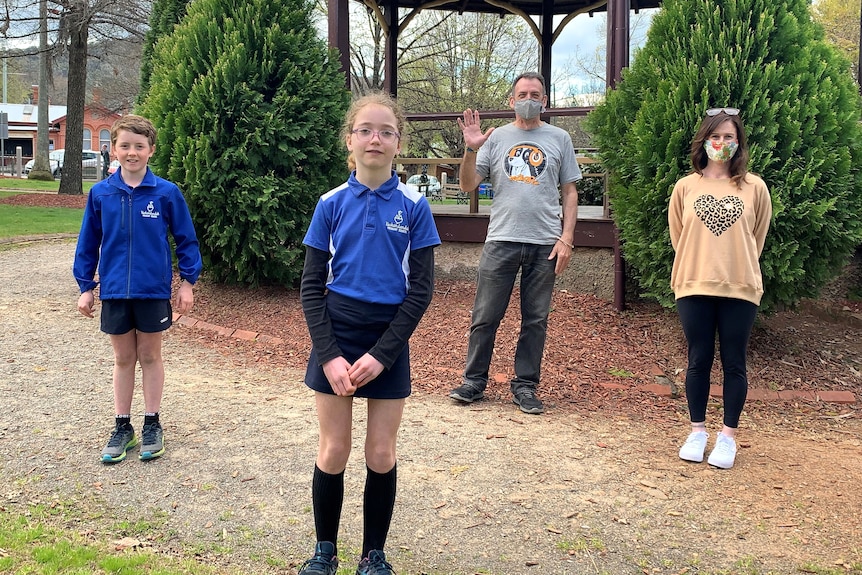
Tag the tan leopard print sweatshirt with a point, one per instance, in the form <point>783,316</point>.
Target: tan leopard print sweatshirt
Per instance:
<point>717,231</point>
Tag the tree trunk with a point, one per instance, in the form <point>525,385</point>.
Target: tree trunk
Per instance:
<point>41,165</point>
<point>71,182</point>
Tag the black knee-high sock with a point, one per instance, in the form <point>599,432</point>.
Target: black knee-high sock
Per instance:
<point>327,496</point>
<point>378,503</point>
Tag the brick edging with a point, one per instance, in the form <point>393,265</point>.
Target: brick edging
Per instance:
<point>659,388</point>
<point>663,387</point>
<point>188,321</point>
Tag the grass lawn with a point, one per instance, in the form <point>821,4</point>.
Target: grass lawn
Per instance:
<point>37,542</point>
<point>26,221</point>
<point>24,185</point>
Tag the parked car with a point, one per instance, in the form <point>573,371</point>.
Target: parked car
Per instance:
<point>429,184</point>
<point>90,159</point>
<point>113,166</point>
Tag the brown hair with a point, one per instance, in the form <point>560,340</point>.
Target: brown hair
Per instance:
<point>529,76</point>
<point>739,161</point>
<point>375,99</point>
<point>136,125</point>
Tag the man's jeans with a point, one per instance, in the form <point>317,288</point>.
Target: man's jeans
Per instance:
<point>498,269</point>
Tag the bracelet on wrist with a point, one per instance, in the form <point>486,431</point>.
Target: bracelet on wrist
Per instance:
<point>472,150</point>
<point>565,243</point>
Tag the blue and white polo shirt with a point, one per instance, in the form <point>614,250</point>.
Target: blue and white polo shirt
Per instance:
<point>369,234</point>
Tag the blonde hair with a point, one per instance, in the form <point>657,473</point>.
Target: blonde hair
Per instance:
<point>136,125</point>
<point>371,99</point>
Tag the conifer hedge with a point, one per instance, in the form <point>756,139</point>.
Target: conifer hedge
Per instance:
<point>248,103</point>
<point>800,108</point>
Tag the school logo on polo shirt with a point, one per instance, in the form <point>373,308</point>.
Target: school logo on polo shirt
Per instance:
<point>398,224</point>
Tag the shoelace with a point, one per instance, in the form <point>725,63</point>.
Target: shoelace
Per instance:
<point>150,433</point>
<point>318,562</point>
<point>117,438</point>
<point>693,439</point>
<point>378,566</point>
<point>724,447</point>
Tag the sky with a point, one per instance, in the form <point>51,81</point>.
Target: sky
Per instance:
<point>581,38</point>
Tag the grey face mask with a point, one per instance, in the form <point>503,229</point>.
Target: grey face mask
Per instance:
<point>528,109</point>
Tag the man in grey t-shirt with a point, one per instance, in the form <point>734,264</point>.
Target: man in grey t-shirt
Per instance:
<point>531,164</point>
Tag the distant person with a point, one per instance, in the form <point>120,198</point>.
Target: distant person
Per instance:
<point>718,216</point>
<point>367,281</point>
<point>106,160</point>
<point>530,164</point>
<point>124,233</point>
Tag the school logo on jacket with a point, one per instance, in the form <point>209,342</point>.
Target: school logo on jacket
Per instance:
<point>150,212</point>
<point>398,224</point>
<point>718,215</point>
<point>525,162</point>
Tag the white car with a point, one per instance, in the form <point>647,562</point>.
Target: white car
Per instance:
<point>90,159</point>
<point>424,183</point>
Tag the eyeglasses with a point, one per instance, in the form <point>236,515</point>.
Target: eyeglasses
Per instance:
<point>365,135</point>
<point>716,111</point>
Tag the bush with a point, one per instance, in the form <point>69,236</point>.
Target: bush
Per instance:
<point>248,103</point>
<point>800,107</point>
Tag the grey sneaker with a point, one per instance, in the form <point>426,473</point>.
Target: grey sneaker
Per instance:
<point>323,562</point>
<point>375,564</point>
<point>122,439</point>
<point>153,444</point>
<point>528,402</point>
<point>466,394</point>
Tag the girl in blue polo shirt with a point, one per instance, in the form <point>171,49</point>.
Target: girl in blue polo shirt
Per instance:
<point>367,281</point>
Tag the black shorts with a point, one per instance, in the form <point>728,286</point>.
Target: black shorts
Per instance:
<point>121,316</point>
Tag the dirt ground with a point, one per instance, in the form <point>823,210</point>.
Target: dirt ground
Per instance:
<point>592,486</point>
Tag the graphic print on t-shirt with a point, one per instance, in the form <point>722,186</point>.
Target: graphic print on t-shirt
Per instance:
<point>718,215</point>
<point>525,162</point>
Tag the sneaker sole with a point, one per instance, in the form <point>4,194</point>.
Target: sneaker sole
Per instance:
<point>719,466</point>
<point>531,411</point>
<point>147,455</point>
<point>464,399</point>
<point>108,459</point>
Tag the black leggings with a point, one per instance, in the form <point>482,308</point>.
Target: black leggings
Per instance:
<point>701,317</point>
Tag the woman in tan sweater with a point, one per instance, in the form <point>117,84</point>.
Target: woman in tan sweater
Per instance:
<point>718,217</point>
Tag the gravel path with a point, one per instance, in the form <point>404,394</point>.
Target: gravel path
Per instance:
<point>481,490</point>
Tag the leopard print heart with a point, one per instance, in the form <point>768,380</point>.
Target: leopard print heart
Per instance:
<point>718,215</point>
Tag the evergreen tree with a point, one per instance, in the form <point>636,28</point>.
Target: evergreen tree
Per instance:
<point>800,108</point>
<point>249,103</point>
<point>165,15</point>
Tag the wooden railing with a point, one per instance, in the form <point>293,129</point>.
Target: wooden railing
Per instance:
<point>473,197</point>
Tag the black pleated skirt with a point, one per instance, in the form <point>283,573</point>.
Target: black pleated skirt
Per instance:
<point>357,327</point>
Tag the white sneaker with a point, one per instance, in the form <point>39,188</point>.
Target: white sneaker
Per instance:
<point>694,446</point>
<point>723,453</point>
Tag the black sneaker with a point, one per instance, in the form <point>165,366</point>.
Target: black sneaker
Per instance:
<point>122,439</point>
<point>375,564</point>
<point>528,402</point>
<point>153,444</point>
<point>324,561</point>
<point>466,394</point>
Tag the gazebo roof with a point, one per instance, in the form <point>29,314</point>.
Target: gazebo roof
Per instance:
<point>532,7</point>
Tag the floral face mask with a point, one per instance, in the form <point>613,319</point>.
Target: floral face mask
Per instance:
<point>720,151</point>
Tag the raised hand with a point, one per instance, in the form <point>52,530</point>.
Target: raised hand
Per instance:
<point>470,127</point>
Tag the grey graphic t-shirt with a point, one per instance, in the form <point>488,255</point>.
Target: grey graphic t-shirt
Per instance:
<point>526,168</point>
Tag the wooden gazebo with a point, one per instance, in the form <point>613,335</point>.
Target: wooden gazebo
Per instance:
<point>472,226</point>
<point>386,13</point>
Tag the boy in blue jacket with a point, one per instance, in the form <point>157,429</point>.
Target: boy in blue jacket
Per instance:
<point>125,233</point>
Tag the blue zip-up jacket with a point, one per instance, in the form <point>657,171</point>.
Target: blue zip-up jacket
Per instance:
<point>129,227</point>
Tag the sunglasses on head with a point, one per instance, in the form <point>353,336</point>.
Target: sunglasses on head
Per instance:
<point>716,111</point>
